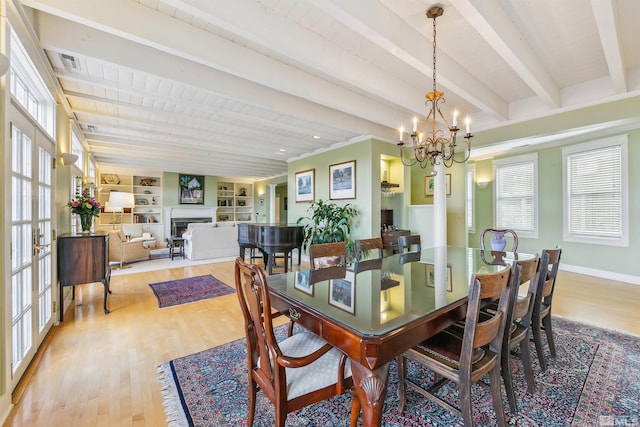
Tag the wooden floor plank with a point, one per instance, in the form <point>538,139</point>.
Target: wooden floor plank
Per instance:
<point>100,370</point>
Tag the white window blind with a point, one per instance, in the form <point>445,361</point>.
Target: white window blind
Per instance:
<point>596,191</point>
<point>515,194</point>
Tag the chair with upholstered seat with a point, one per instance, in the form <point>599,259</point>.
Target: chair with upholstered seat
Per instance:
<point>541,317</point>
<point>325,255</point>
<point>498,241</point>
<point>296,372</point>
<point>468,358</point>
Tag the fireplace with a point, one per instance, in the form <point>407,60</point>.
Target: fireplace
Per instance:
<point>179,225</point>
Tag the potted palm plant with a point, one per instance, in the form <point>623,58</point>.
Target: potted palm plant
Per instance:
<point>328,222</point>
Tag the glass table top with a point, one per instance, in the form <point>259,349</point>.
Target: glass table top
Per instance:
<point>395,291</point>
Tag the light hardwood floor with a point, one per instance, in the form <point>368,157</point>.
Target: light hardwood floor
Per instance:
<point>97,370</point>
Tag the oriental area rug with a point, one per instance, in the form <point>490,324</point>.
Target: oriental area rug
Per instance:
<point>594,381</point>
<point>191,289</point>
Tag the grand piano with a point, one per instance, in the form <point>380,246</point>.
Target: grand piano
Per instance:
<point>271,239</point>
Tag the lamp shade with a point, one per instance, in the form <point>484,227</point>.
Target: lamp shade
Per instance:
<point>119,199</point>
<point>111,209</point>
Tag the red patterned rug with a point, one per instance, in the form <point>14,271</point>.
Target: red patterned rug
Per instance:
<point>594,381</point>
<point>176,292</point>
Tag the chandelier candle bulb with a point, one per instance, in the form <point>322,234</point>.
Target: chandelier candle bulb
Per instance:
<point>455,118</point>
<point>415,124</point>
<point>401,133</point>
<point>467,123</point>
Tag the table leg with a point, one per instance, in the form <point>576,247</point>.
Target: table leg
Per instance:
<point>107,291</point>
<point>371,388</point>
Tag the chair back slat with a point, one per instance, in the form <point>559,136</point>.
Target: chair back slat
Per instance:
<point>368,248</point>
<point>253,296</point>
<point>335,253</point>
<point>486,286</point>
<point>411,243</point>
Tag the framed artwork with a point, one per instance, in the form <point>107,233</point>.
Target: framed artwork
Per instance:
<point>431,279</point>
<point>342,294</point>
<point>191,189</point>
<point>342,180</point>
<point>305,183</point>
<point>429,183</point>
<point>302,282</point>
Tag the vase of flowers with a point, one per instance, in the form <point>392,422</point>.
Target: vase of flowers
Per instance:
<point>86,207</point>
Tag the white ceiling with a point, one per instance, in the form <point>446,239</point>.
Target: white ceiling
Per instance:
<point>236,88</point>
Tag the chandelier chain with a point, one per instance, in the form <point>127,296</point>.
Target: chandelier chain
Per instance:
<point>434,54</point>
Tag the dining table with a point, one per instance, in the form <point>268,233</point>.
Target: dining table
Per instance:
<point>374,314</point>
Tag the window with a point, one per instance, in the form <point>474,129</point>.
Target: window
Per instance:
<point>28,88</point>
<point>471,216</point>
<point>516,194</point>
<point>76,148</point>
<point>596,185</point>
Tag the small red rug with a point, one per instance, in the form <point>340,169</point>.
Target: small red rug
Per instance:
<point>176,292</point>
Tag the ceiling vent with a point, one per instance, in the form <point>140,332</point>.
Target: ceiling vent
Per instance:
<point>69,62</point>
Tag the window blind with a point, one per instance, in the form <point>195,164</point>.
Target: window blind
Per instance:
<point>595,192</point>
<point>515,196</point>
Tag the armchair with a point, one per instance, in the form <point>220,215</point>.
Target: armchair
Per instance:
<point>122,250</point>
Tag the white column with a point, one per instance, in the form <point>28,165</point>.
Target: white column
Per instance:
<point>272,203</point>
<point>439,206</point>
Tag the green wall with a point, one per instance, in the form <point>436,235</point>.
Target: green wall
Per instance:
<point>622,260</point>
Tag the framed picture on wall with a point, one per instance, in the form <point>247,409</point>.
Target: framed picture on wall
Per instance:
<point>305,183</point>
<point>191,189</point>
<point>429,182</point>
<point>342,180</point>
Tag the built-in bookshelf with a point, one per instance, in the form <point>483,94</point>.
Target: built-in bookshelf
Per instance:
<point>235,202</point>
<point>147,195</point>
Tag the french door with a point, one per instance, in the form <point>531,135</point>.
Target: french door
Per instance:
<point>31,236</point>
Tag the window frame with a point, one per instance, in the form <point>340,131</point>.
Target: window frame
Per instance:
<point>567,152</point>
<point>470,217</point>
<point>512,161</point>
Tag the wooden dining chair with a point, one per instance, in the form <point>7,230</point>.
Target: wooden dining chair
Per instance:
<point>409,243</point>
<point>518,326</point>
<point>541,317</point>
<point>296,372</point>
<point>498,241</point>
<point>325,255</point>
<point>468,358</point>
<point>368,248</point>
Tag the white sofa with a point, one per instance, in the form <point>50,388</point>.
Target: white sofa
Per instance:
<point>211,240</point>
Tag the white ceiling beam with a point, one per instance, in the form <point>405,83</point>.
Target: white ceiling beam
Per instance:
<point>377,24</point>
<point>202,129</point>
<point>189,54</point>
<point>491,22</point>
<point>606,20</point>
<point>239,116</point>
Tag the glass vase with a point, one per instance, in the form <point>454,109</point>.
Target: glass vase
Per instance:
<point>85,223</point>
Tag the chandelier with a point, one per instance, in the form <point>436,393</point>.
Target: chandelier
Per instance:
<point>433,147</point>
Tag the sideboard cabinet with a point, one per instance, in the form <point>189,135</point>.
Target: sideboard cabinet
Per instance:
<point>83,258</point>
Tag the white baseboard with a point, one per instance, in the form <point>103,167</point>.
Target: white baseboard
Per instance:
<point>609,275</point>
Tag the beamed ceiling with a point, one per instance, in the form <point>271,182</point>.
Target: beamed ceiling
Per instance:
<point>238,88</point>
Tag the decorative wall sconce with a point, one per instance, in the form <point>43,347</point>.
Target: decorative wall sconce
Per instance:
<point>482,184</point>
<point>68,158</point>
